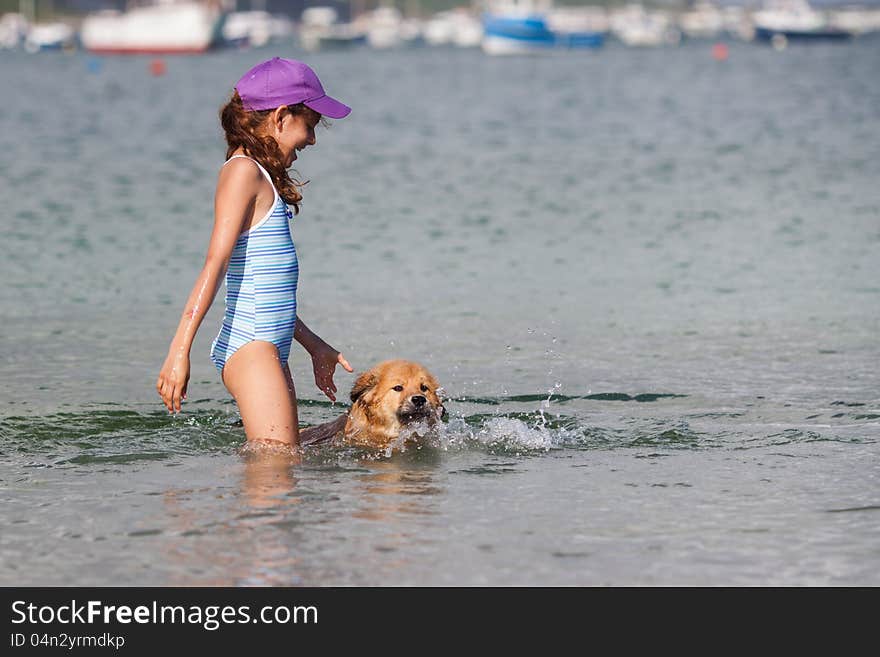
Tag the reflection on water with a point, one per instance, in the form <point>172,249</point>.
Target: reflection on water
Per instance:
<point>398,486</point>
<point>244,546</point>
<point>256,536</point>
<point>269,474</point>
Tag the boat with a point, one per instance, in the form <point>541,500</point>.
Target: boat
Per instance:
<point>578,27</point>
<point>635,26</point>
<point>457,27</point>
<point>702,20</point>
<point>387,28</point>
<point>467,29</point>
<point>738,23</point>
<point>13,31</point>
<point>510,35</point>
<point>782,21</point>
<point>254,29</point>
<point>50,36</point>
<point>530,26</point>
<point>168,28</point>
<point>320,29</point>
<point>860,21</point>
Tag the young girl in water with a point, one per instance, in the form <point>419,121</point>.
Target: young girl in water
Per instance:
<point>272,115</point>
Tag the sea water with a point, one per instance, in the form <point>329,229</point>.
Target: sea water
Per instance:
<point>649,282</point>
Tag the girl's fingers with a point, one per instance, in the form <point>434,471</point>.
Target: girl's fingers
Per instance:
<point>166,396</point>
<point>344,363</point>
<point>179,394</point>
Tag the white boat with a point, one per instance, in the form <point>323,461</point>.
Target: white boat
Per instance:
<point>738,22</point>
<point>254,28</point>
<point>635,26</point>
<point>383,27</point>
<point>439,29</point>
<point>386,28</point>
<point>320,29</point>
<point>13,30</point>
<point>50,36</point>
<point>858,20</point>
<point>578,26</point>
<point>702,21</point>
<point>468,30</point>
<point>782,21</point>
<point>458,27</point>
<point>170,28</point>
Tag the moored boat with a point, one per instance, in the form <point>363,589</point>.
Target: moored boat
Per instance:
<point>860,21</point>
<point>458,27</point>
<point>254,29</point>
<point>635,26</point>
<point>504,35</point>
<point>530,26</point>
<point>578,27</point>
<point>320,29</point>
<point>13,30</point>
<point>794,20</point>
<point>178,27</point>
<point>50,36</point>
<point>702,20</point>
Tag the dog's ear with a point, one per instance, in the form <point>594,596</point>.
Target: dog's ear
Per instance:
<point>363,383</point>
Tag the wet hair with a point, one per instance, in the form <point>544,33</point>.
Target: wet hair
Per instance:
<point>245,129</point>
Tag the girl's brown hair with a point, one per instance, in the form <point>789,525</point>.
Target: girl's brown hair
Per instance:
<point>244,129</point>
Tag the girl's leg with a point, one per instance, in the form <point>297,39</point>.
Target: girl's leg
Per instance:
<point>263,390</point>
<point>292,391</point>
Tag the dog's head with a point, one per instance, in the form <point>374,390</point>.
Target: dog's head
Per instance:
<point>397,393</point>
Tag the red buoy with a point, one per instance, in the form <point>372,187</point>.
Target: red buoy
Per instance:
<point>157,67</point>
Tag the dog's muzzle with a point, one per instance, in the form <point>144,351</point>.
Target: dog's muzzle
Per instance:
<point>418,408</point>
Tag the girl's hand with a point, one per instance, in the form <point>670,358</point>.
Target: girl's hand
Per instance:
<point>324,361</point>
<point>173,379</point>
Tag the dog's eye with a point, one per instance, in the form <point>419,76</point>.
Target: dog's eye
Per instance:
<point>398,388</point>
<point>424,388</point>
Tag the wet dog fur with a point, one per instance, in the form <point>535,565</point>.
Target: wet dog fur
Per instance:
<point>391,397</point>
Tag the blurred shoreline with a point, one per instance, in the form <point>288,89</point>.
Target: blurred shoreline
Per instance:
<point>496,26</point>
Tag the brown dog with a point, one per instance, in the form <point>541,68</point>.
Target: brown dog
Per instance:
<point>389,398</point>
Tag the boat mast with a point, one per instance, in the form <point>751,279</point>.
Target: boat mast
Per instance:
<point>28,9</point>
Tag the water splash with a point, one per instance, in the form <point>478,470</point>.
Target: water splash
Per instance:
<point>108,434</point>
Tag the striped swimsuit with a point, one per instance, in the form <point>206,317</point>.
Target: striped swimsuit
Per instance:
<point>260,286</point>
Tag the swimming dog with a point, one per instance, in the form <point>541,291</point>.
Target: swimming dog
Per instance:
<point>393,397</point>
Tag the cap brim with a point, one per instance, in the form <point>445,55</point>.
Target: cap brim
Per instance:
<point>327,106</point>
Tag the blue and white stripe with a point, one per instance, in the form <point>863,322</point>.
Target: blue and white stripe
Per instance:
<point>260,286</point>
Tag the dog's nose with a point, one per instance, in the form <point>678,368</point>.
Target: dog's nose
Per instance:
<point>418,401</point>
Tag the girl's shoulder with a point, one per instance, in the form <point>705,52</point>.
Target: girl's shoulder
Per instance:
<point>241,165</point>
<point>240,173</point>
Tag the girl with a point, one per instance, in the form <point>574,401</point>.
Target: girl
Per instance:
<point>272,115</point>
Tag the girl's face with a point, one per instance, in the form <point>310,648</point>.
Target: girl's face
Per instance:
<point>294,132</point>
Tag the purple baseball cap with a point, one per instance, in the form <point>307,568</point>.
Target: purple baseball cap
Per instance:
<point>278,82</point>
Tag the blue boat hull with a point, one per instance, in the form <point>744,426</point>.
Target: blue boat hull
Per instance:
<point>767,34</point>
<point>532,33</point>
<point>581,39</point>
<point>530,30</point>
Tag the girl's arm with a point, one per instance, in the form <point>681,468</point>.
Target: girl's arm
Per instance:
<point>233,204</point>
<point>324,358</point>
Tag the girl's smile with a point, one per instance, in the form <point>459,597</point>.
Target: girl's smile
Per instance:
<point>294,132</point>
